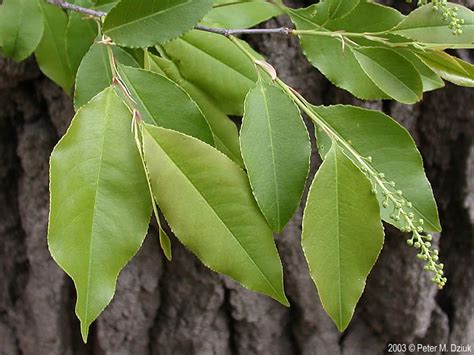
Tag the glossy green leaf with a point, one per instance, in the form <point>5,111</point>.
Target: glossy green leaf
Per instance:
<point>242,14</point>
<point>94,73</point>
<point>223,129</point>
<point>163,103</point>
<point>393,152</point>
<point>340,8</point>
<point>80,35</point>
<point>449,67</point>
<point>207,201</point>
<point>335,59</point>
<point>381,17</point>
<point>428,26</point>
<point>391,72</point>
<point>153,22</point>
<point>276,151</point>
<point>342,234</point>
<point>100,206</point>
<point>214,64</point>
<point>51,54</point>
<point>165,243</point>
<point>429,79</point>
<point>21,27</point>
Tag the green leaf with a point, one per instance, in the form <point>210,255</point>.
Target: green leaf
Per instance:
<point>21,27</point>
<point>428,26</point>
<point>327,55</point>
<point>51,52</point>
<point>153,22</point>
<point>449,67</point>
<point>276,151</point>
<point>393,152</point>
<point>242,14</point>
<point>94,73</point>
<point>165,244</point>
<point>100,207</point>
<point>223,129</point>
<point>163,103</point>
<point>207,201</point>
<point>198,53</point>
<point>340,8</point>
<point>342,234</point>
<point>80,35</point>
<point>430,80</point>
<point>381,17</point>
<point>391,72</point>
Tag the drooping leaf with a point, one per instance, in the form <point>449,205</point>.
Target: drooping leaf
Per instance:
<point>21,27</point>
<point>276,151</point>
<point>153,22</point>
<point>242,14</point>
<point>336,58</point>
<point>393,152</point>
<point>223,129</point>
<point>95,74</point>
<point>340,8</point>
<point>391,72</point>
<point>430,80</point>
<point>428,26</point>
<point>100,207</point>
<point>80,35</point>
<point>51,52</point>
<point>165,244</point>
<point>342,234</point>
<point>214,64</point>
<point>163,103</point>
<point>207,201</point>
<point>449,67</point>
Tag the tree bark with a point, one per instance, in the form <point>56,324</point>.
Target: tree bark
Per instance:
<point>181,307</point>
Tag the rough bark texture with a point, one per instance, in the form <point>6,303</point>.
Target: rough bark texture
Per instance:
<point>182,307</point>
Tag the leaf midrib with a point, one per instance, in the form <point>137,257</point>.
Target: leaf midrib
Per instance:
<point>336,184</point>
<point>91,249</point>
<point>272,147</point>
<point>276,293</point>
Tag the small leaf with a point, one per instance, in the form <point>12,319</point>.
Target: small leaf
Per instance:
<point>153,22</point>
<point>100,206</point>
<point>163,103</point>
<point>391,72</point>
<point>342,234</point>
<point>165,244</point>
<point>51,52</point>
<point>94,73</point>
<point>207,201</point>
<point>80,35</point>
<point>393,153</point>
<point>198,53</point>
<point>449,67</point>
<point>21,27</point>
<point>276,151</point>
<point>428,26</point>
<point>223,129</point>
<point>242,14</point>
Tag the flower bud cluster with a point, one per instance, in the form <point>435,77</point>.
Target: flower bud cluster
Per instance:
<point>448,13</point>
<point>402,214</point>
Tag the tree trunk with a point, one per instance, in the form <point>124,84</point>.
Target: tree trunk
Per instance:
<point>182,307</point>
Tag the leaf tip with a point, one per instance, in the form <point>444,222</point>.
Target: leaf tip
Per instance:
<point>84,331</point>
